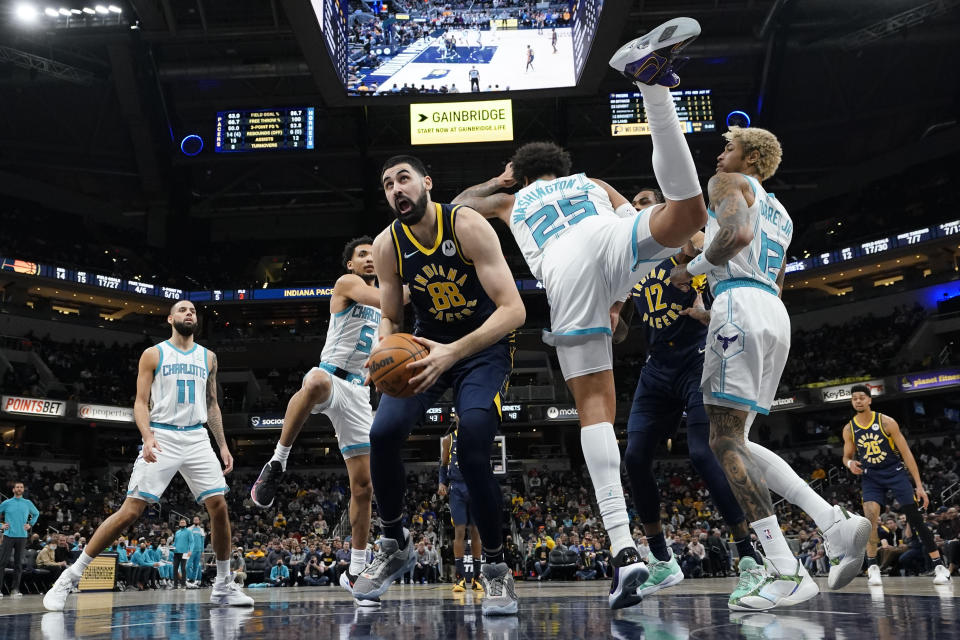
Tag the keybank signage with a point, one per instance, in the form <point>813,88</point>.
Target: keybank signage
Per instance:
<point>841,392</point>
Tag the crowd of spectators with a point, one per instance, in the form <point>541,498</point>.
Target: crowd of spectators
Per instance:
<point>554,530</point>
<point>864,345</point>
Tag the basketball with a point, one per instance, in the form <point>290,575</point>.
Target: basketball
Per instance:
<point>388,364</point>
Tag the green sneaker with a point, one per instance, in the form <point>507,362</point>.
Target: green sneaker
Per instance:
<point>663,574</point>
<point>764,587</point>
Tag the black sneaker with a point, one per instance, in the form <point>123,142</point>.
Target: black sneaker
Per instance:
<point>628,575</point>
<point>264,490</point>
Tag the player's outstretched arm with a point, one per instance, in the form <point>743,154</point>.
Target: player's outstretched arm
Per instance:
<point>214,417</point>
<point>482,247</point>
<point>352,287</point>
<point>391,288</point>
<point>850,452</point>
<point>893,430</point>
<point>484,199</point>
<point>149,362</point>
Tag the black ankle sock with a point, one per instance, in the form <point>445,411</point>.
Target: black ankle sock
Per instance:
<point>746,550</point>
<point>658,547</point>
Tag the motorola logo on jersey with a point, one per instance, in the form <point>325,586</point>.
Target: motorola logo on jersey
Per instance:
<point>448,248</point>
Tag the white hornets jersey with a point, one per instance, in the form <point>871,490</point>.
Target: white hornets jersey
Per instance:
<point>351,336</point>
<point>546,209</point>
<point>178,395</point>
<point>764,258</point>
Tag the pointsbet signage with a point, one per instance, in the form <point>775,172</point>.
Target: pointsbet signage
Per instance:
<point>456,122</point>
<point>34,406</point>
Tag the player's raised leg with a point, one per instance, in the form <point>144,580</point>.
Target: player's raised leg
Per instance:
<point>315,390</point>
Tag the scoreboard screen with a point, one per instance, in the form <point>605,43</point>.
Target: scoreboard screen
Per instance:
<point>265,129</point>
<point>694,108</point>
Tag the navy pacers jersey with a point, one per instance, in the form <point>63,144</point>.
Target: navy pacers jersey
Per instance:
<point>875,448</point>
<point>658,304</point>
<point>448,300</point>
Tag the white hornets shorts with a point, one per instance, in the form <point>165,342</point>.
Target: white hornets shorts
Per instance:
<point>348,408</point>
<point>592,265</point>
<point>747,346</point>
<point>186,450</point>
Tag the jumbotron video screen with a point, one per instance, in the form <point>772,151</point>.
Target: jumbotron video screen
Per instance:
<point>390,52</point>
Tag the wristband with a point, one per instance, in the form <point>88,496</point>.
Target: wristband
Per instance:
<point>700,265</point>
<point>849,462</point>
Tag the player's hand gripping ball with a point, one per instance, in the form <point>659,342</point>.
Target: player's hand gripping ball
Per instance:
<point>388,364</point>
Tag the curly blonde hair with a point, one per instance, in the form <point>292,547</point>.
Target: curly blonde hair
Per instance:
<point>760,140</point>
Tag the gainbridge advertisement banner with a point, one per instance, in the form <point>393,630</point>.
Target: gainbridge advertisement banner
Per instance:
<point>101,574</point>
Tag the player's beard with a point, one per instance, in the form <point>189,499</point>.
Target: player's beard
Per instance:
<point>368,277</point>
<point>415,214</point>
<point>184,330</point>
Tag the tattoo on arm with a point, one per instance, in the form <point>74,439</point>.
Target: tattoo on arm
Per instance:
<point>731,210</point>
<point>214,418</point>
<point>727,439</point>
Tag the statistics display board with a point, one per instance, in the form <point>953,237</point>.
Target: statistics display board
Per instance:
<point>878,246</point>
<point>267,129</point>
<point>694,108</point>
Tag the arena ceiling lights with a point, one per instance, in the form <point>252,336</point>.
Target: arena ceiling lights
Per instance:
<point>58,16</point>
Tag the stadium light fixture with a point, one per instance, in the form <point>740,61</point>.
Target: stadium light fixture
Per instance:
<point>26,12</point>
<point>88,11</point>
<point>76,12</point>
<point>51,12</point>
<point>64,11</point>
<point>114,9</point>
<point>102,10</point>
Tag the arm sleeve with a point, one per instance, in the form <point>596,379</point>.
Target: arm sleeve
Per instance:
<point>444,471</point>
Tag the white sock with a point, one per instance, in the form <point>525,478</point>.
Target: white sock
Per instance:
<point>775,546</point>
<point>280,454</point>
<point>602,455</point>
<point>672,163</point>
<point>223,570</point>
<point>782,479</point>
<point>358,560</point>
<point>81,563</point>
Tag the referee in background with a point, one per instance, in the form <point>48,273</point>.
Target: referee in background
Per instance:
<point>19,515</point>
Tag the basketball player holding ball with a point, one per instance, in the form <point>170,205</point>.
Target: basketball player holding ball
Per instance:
<point>466,307</point>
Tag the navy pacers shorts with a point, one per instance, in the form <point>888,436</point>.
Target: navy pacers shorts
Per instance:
<point>877,481</point>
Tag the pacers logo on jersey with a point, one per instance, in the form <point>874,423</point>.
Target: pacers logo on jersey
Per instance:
<point>444,286</point>
<point>870,445</point>
<point>659,313</point>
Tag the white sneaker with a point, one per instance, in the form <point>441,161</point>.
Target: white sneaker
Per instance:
<point>873,576</point>
<point>16,595</point>
<point>53,626</point>
<point>846,544</point>
<point>941,575</point>
<point>229,593</point>
<point>56,598</point>
<point>765,588</point>
<point>225,624</point>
